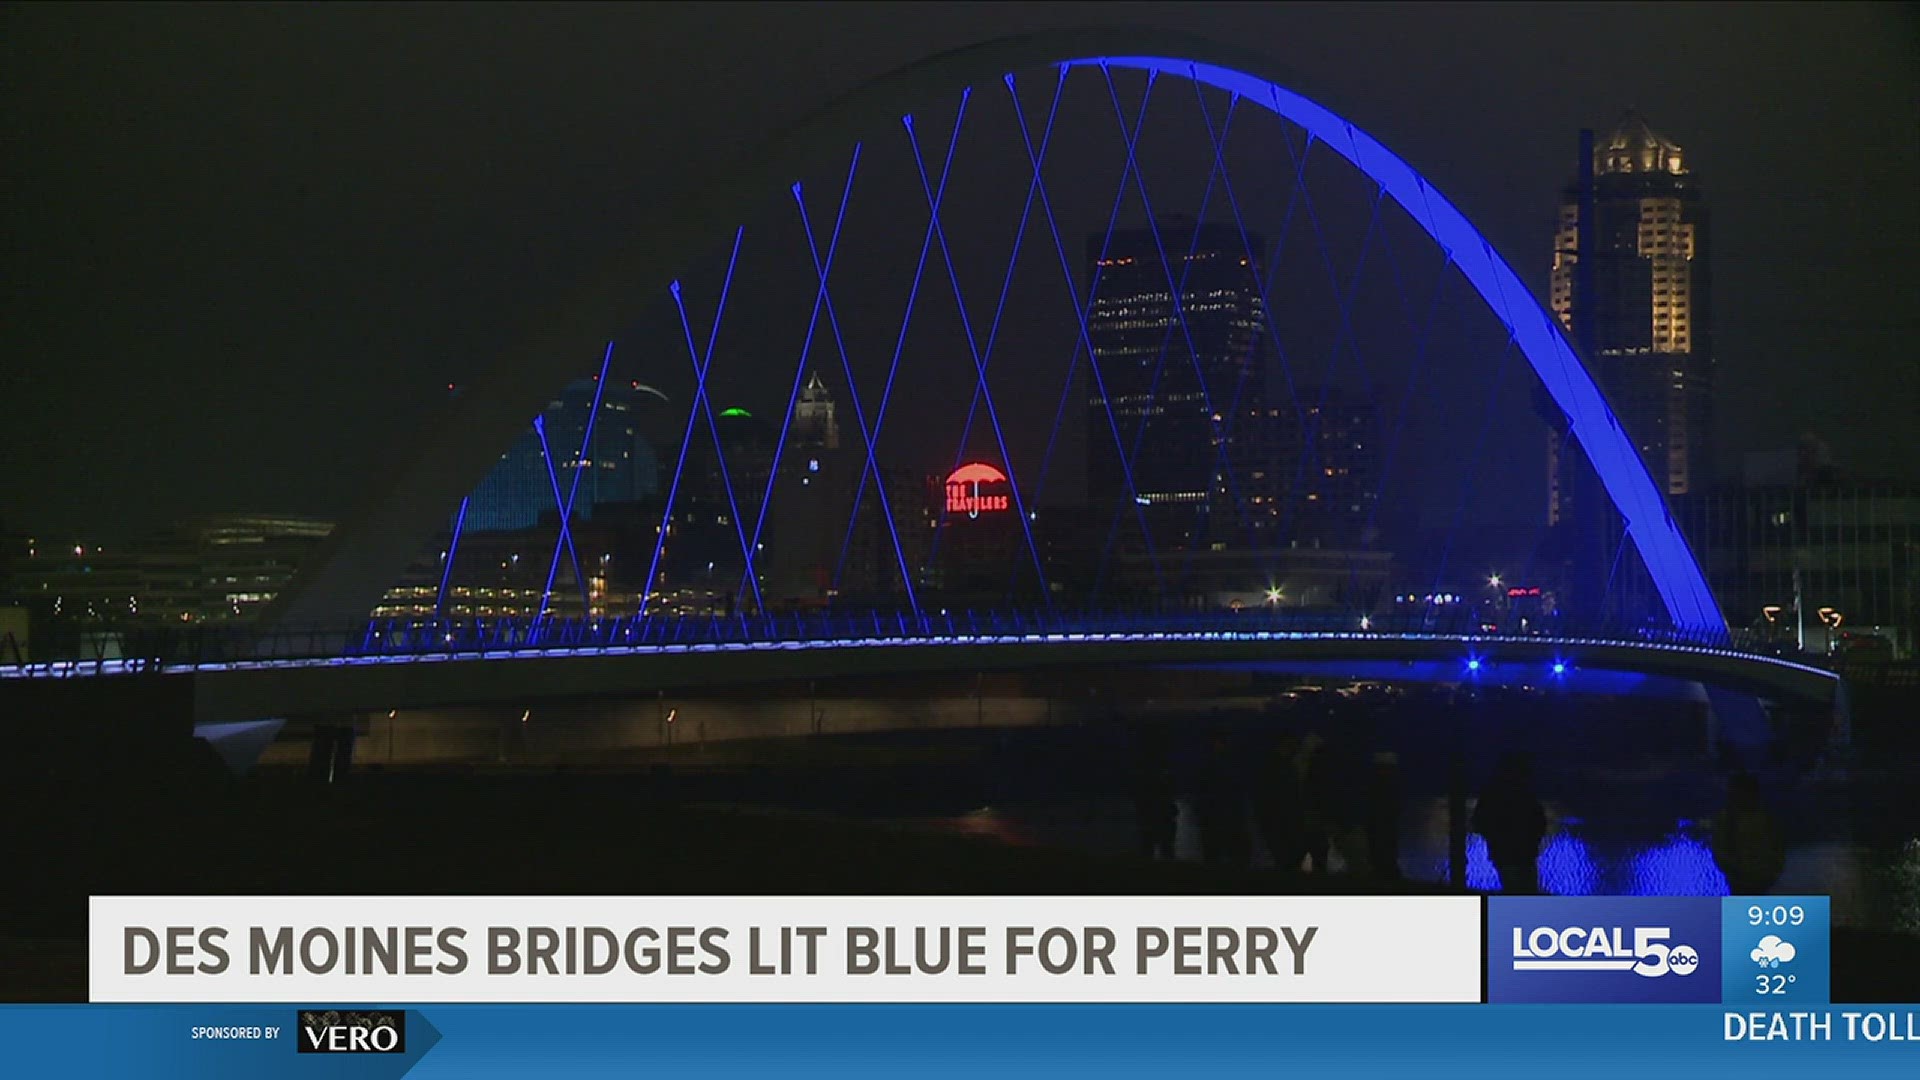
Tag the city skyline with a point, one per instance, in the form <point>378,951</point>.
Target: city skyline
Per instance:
<point>1780,300</point>
<point>1263,398</point>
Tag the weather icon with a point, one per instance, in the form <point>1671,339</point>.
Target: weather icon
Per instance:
<point>1772,952</point>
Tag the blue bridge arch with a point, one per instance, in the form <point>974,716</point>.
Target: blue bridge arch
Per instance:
<point>366,553</point>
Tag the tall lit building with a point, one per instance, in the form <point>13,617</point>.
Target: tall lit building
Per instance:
<point>1169,374</point>
<point>1308,471</point>
<point>1650,327</point>
<point>816,424</point>
<point>808,527</point>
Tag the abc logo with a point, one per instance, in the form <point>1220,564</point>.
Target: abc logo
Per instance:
<point>1683,960</point>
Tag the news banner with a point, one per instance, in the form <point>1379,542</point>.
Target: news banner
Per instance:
<point>473,986</point>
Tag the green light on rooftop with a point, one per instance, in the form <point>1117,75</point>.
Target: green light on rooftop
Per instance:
<point>735,411</point>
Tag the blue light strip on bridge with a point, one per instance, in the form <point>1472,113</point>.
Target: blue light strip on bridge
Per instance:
<point>1557,650</point>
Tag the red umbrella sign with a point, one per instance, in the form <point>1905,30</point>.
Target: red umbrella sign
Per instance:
<point>977,488</point>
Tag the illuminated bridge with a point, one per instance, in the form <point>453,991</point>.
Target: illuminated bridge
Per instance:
<point>1173,389</point>
<point>412,664</point>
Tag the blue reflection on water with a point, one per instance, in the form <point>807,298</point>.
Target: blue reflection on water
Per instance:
<point>1480,872</point>
<point>1876,886</point>
<point>1572,864</point>
<point>1680,865</point>
<point>1566,866</point>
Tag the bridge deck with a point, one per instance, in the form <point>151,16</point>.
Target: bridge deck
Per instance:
<point>252,688</point>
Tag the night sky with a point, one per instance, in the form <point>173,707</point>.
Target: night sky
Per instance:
<point>250,246</point>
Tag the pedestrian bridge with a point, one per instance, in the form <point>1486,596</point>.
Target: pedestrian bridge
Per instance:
<point>433,663</point>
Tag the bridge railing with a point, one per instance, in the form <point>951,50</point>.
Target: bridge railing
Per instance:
<point>138,648</point>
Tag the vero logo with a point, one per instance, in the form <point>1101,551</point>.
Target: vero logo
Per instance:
<point>367,1031</point>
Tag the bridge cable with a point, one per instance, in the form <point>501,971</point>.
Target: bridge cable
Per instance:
<point>872,436</point>
<point>1176,296</point>
<point>806,348</point>
<point>1218,139</point>
<point>1006,283</point>
<point>1083,311</point>
<point>453,549</point>
<point>1310,450</point>
<point>565,539</point>
<point>704,403</point>
<point>979,363</point>
<point>693,415</point>
<point>580,463</point>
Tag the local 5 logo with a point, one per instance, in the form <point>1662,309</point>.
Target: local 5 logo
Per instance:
<point>1600,948</point>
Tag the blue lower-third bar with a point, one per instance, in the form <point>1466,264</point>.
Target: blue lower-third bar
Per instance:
<point>567,1041</point>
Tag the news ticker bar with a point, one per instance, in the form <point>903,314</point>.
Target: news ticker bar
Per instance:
<point>1768,953</point>
<point>576,1042</point>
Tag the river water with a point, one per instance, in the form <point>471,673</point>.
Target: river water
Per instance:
<point>1631,792</point>
<point>1874,883</point>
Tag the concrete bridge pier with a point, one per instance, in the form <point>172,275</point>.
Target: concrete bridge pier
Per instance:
<point>1738,722</point>
<point>330,754</point>
<point>1777,742</point>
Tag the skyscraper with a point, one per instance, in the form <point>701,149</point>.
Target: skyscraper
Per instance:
<point>816,424</point>
<point>1650,326</point>
<point>1170,372</point>
<point>812,498</point>
<point>1308,471</point>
